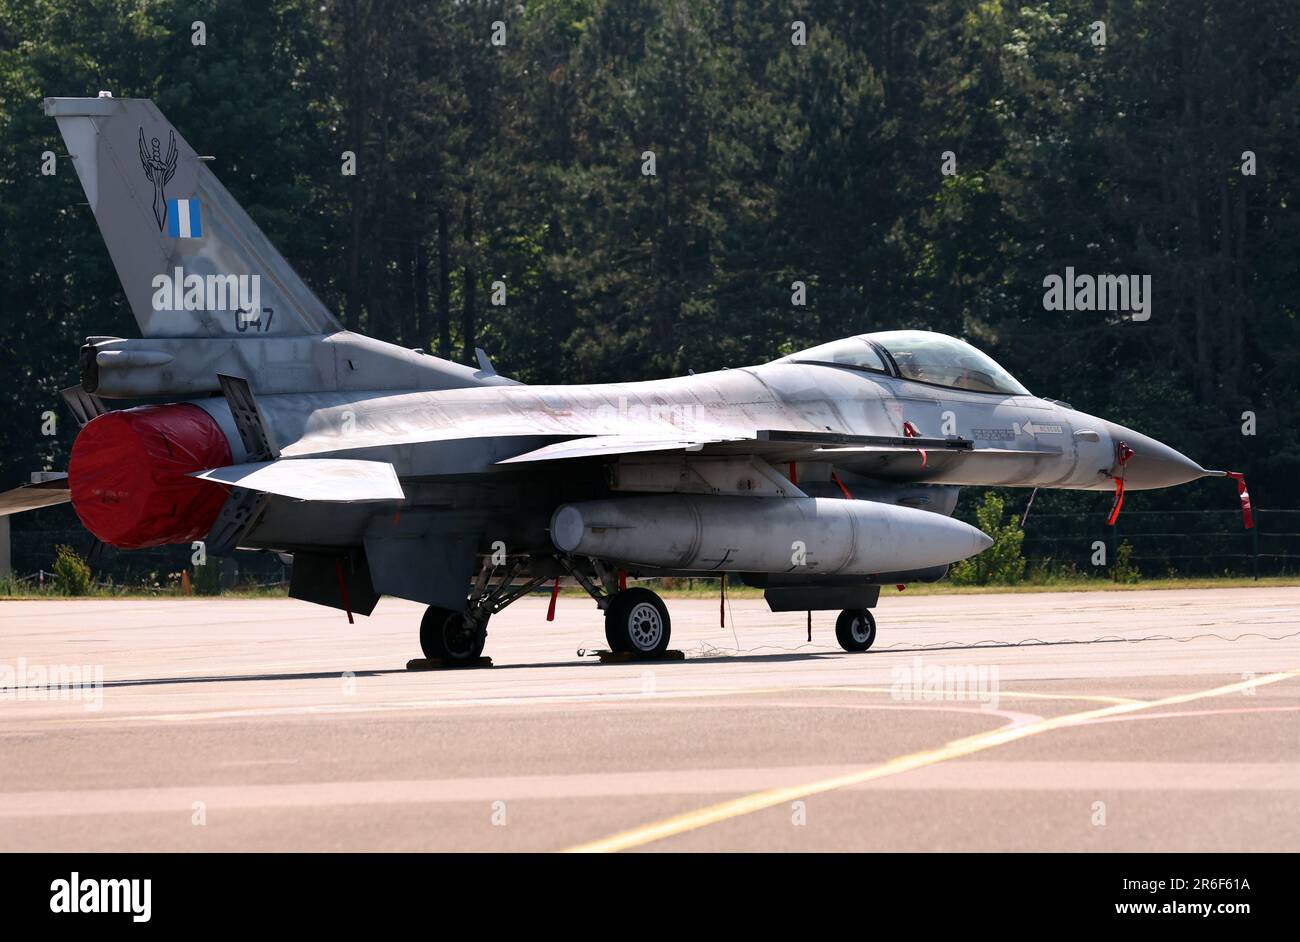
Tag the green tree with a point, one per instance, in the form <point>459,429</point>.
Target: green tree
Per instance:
<point>1001,563</point>
<point>71,573</point>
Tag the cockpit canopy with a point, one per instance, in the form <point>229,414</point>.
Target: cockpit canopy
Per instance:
<point>918,355</point>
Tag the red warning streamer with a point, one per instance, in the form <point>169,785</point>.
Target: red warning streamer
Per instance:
<point>1247,515</point>
<point>910,431</point>
<point>1119,502</point>
<point>1123,454</point>
<point>555,590</point>
<point>343,590</point>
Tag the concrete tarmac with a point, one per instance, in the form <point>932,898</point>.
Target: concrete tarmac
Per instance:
<point>1106,721</point>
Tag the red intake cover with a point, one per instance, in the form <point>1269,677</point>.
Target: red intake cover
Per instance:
<point>129,475</point>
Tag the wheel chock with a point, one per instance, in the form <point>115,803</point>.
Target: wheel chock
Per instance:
<point>628,657</point>
<point>438,664</point>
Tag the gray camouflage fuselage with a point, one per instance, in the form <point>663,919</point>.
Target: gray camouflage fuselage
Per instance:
<point>400,471</point>
<point>1023,441</point>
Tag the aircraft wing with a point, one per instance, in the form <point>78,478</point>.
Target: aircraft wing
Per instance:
<point>45,493</point>
<point>592,446</point>
<point>772,443</point>
<point>889,456</point>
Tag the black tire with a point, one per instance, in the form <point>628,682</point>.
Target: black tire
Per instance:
<point>636,621</point>
<point>855,629</point>
<point>446,635</point>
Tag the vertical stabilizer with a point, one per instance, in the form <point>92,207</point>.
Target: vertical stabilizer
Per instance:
<point>192,262</point>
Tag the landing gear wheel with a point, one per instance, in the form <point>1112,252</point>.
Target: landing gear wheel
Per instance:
<point>855,629</point>
<point>636,621</point>
<point>446,635</point>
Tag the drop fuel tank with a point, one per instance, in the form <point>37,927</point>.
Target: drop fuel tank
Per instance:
<point>811,535</point>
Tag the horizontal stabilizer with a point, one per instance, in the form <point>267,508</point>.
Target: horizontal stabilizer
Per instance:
<point>334,480</point>
<point>49,492</point>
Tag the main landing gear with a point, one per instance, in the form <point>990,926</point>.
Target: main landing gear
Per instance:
<point>636,622</point>
<point>636,619</point>
<point>446,635</point>
<point>855,629</point>
<point>637,625</point>
<point>457,638</point>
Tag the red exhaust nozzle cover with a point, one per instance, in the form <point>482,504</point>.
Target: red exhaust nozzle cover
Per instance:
<point>129,475</point>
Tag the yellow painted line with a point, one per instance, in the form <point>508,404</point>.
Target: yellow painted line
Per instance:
<point>748,804</point>
<point>1084,698</point>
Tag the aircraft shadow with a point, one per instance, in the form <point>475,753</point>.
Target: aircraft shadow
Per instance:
<point>705,659</point>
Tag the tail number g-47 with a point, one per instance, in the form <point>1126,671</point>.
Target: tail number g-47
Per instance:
<point>256,321</point>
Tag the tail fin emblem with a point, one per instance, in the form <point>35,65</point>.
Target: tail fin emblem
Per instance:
<point>159,171</point>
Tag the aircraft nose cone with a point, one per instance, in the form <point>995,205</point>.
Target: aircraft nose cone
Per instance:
<point>982,542</point>
<point>1154,464</point>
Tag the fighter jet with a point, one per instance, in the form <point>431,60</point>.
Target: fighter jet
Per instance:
<point>383,471</point>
